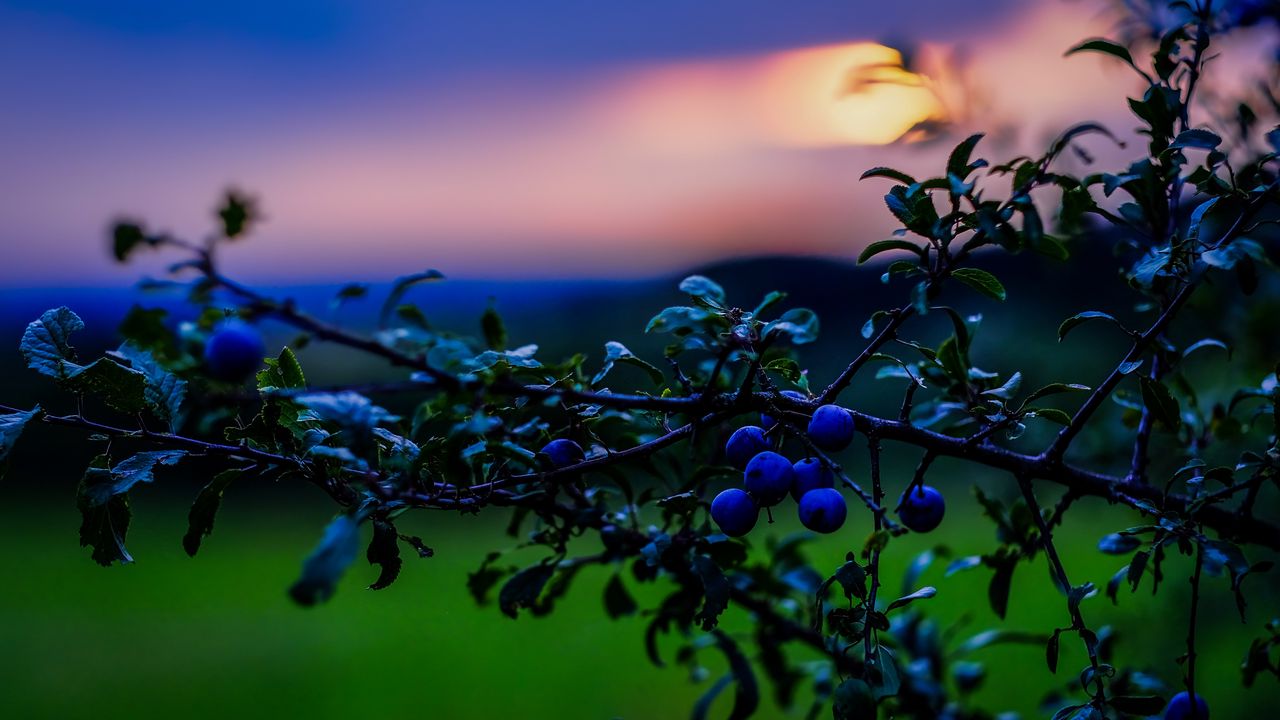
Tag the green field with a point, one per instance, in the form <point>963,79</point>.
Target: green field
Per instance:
<point>217,637</point>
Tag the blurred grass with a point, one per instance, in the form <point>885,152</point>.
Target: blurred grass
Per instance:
<point>216,636</point>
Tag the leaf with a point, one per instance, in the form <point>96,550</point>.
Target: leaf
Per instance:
<point>46,342</point>
<point>327,563</point>
<point>881,246</point>
<point>238,213</point>
<point>523,589</point>
<point>998,590</point>
<point>125,238</point>
<point>1054,389</point>
<point>799,325</point>
<point>1105,46</point>
<point>617,601</point>
<point>1081,318</point>
<point>495,331</point>
<point>1162,405</point>
<point>384,551</point>
<point>958,161</point>
<point>11,426</point>
<point>715,590</point>
<point>703,289</point>
<point>1196,138</point>
<point>616,352</point>
<point>121,388</point>
<point>401,286</point>
<point>677,319</point>
<point>746,696</point>
<point>205,509</point>
<point>883,675</point>
<point>854,701</point>
<point>786,367</point>
<point>164,392</point>
<point>923,593</point>
<point>103,526</point>
<point>1051,651</point>
<point>283,372</point>
<point>1119,544</point>
<point>887,172</point>
<point>982,281</point>
<point>129,472</point>
<point>1050,414</point>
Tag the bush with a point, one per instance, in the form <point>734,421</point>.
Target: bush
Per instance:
<point>502,430</point>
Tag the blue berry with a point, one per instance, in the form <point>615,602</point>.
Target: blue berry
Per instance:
<point>921,510</point>
<point>564,453</point>
<point>811,474</point>
<point>768,421</point>
<point>831,428</point>
<point>735,512</point>
<point>823,510</point>
<point>744,444</point>
<point>234,351</point>
<point>769,478</point>
<point>1180,707</point>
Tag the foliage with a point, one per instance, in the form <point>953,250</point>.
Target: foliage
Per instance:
<point>1195,208</point>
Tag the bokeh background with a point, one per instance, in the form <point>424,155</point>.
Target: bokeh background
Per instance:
<point>567,162</point>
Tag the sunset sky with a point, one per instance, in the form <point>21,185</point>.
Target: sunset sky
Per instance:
<point>490,139</point>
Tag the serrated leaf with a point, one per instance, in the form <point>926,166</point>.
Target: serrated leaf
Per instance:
<point>616,352</point>
<point>205,509</point>
<point>799,325</point>
<point>46,343</point>
<point>11,426</point>
<point>384,551</point>
<point>103,526</point>
<point>327,563</point>
<point>164,392</point>
<point>982,281</point>
<point>617,601</point>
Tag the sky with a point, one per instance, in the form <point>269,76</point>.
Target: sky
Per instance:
<point>504,138</point>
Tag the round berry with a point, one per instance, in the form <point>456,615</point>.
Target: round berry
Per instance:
<point>811,474</point>
<point>823,510</point>
<point>769,478</point>
<point>744,444</point>
<point>921,509</point>
<point>234,351</point>
<point>735,512</point>
<point>564,453</point>
<point>768,421</point>
<point>831,428</point>
<point>1180,707</point>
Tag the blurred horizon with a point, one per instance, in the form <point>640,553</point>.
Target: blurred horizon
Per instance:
<point>496,142</point>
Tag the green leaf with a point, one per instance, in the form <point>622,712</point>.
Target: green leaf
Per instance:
<point>715,591</point>
<point>119,387</point>
<point>887,172</point>
<point>703,289</point>
<point>205,509</point>
<point>1162,405</point>
<point>139,468</point>
<point>125,238</point>
<point>46,343</point>
<point>799,325</point>
<point>1051,414</point>
<point>327,563</point>
<point>786,367</point>
<point>401,286</point>
<point>1080,318</point>
<point>616,352</point>
<point>677,319</point>
<point>523,589</point>
<point>1105,46</point>
<point>384,551</point>
<point>617,601</point>
<point>164,392</point>
<point>103,526</point>
<point>883,675</point>
<point>923,593</point>
<point>880,246</point>
<point>1196,138</point>
<point>982,281</point>
<point>958,162</point>
<point>1054,389</point>
<point>495,331</point>
<point>11,425</point>
<point>238,213</point>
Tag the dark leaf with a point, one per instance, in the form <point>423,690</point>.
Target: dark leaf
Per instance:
<point>617,601</point>
<point>523,589</point>
<point>384,551</point>
<point>205,509</point>
<point>326,564</point>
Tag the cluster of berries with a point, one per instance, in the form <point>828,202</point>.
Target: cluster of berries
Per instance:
<point>768,477</point>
